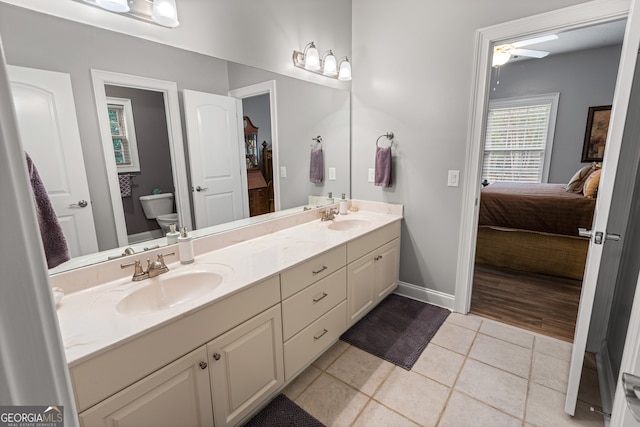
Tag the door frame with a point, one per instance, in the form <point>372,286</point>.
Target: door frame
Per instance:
<point>268,87</point>
<point>169,89</point>
<point>581,15</point>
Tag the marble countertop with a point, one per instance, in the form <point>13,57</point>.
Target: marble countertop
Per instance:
<point>90,323</point>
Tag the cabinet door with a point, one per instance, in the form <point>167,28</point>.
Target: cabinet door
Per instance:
<point>387,259</point>
<point>246,366</point>
<point>361,289</point>
<point>176,395</point>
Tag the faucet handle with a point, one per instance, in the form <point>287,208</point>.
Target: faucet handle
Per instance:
<point>161,260</point>
<point>138,272</point>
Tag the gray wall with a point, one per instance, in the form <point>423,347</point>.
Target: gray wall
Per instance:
<point>40,41</point>
<point>154,153</point>
<point>584,79</point>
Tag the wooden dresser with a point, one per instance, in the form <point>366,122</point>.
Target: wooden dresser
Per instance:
<point>258,194</point>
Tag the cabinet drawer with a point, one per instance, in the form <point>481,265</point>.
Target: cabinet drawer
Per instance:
<point>307,305</point>
<point>299,277</point>
<point>371,241</point>
<point>314,339</point>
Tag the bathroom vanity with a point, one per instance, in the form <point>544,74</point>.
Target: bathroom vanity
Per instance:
<point>215,354</point>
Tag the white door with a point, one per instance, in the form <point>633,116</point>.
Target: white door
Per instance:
<point>603,204</point>
<point>218,171</point>
<point>48,129</point>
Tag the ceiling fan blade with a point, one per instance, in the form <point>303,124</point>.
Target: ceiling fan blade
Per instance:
<point>535,40</point>
<point>530,53</point>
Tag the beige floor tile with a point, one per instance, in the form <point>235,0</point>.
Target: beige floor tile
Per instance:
<point>501,354</point>
<point>377,415</point>
<point>553,347</point>
<point>550,372</point>
<point>545,408</point>
<point>439,364</point>
<point>507,333</point>
<point>361,370</point>
<point>302,381</point>
<point>414,396</point>
<point>468,321</point>
<point>464,411</point>
<point>329,356</point>
<point>454,337</point>
<point>331,401</point>
<point>493,386</point>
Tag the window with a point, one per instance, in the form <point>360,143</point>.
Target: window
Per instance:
<point>123,135</point>
<point>519,139</point>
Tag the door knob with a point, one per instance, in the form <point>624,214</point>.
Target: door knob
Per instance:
<point>198,188</point>
<point>80,204</point>
<point>631,386</point>
<point>598,236</point>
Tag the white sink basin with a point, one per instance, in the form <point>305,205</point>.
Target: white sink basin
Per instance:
<point>173,288</point>
<point>348,224</point>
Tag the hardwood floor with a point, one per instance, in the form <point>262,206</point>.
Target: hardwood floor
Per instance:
<point>544,304</point>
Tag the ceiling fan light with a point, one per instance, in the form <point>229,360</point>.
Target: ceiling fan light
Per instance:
<point>330,66</point>
<point>165,13</point>
<point>119,6</point>
<point>500,58</point>
<point>311,57</point>
<point>345,70</point>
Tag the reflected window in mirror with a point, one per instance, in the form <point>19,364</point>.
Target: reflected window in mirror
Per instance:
<point>123,136</point>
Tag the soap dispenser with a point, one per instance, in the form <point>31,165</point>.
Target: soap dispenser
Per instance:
<point>344,205</point>
<point>330,199</point>
<point>185,247</point>
<point>172,235</point>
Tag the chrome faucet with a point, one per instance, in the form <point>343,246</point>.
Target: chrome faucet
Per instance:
<point>328,214</point>
<point>153,268</point>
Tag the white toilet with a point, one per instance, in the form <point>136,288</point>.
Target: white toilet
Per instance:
<point>160,208</point>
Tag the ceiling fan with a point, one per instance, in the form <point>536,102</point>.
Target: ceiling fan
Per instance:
<point>502,53</point>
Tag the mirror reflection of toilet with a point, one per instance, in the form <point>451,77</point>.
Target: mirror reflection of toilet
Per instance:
<point>160,208</point>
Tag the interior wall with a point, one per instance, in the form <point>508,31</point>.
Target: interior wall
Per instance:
<point>413,74</point>
<point>153,151</point>
<point>597,69</point>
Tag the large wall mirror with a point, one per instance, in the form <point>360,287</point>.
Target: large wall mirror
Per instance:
<point>288,111</point>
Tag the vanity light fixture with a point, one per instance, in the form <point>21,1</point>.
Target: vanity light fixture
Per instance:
<point>160,12</point>
<point>326,66</point>
<point>119,6</point>
<point>165,13</point>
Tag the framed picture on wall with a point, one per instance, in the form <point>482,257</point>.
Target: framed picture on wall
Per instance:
<point>595,136</point>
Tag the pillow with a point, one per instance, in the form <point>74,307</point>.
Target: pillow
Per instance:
<point>590,187</point>
<point>577,180</point>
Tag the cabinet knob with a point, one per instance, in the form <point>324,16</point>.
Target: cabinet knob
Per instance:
<point>216,356</point>
<point>203,365</point>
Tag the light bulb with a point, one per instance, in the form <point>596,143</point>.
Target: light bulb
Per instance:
<point>345,70</point>
<point>120,6</point>
<point>500,58</point>
<point>165,13</point>
<point>330,68</point>
<point>311,58</point>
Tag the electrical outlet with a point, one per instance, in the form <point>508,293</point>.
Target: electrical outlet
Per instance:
<point>372,174</point>
<point>283,171</point>
<point>453,178</point>
<point>332,174</point>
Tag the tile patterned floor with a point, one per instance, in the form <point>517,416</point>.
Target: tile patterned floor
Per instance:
<point>475,372</point>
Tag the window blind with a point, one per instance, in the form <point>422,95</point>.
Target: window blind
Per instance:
<point>121,148</point>
<point>515,143</point>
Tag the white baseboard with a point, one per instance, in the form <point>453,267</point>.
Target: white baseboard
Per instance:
<point>606,381</point>
<point>425,295</point>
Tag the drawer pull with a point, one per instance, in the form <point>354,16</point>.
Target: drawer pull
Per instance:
<point>324,295</point>
<point>203,365</point>
<point>324,331</point>
<point>216,356</point>
<point>324,267</point>
<point>378,258</point>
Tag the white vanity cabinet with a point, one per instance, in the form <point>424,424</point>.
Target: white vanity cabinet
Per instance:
<point>372,274</point>
<point>246,366</point>
<point>178,394</point>
<point>313,308</point>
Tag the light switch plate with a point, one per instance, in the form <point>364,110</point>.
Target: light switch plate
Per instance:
<point>332,174</point>
<point>453,178</point>
<point>283,171</point>
<point>372,174</point>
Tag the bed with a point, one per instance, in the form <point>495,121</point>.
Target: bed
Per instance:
<point>534,227</point>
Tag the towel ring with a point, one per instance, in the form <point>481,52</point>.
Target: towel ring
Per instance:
<point>317,139</point>
<point>389,136</point>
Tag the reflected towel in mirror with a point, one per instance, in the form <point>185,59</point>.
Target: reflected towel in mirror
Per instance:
<point>383,167</point>
<point>53,240</point>
<point>316,169</point>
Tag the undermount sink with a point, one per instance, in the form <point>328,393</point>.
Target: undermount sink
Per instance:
<point>173,288</point>
<point>348,224</point>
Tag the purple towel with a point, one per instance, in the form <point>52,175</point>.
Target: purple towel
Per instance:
<point>316,169</point>
<point>53,240</point>
<point>383,167</point>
